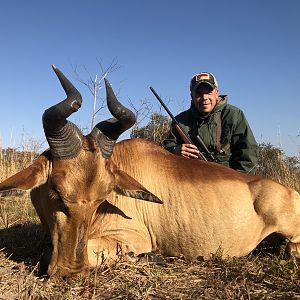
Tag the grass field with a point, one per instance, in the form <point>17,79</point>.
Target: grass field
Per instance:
<point>264,274</point>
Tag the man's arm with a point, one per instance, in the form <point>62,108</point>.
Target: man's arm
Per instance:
<point>175,144</point>
<point>243,146</point>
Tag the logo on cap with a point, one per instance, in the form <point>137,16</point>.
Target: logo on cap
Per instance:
<point>202,76</point>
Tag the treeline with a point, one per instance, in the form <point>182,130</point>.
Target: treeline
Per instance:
<point>273,163</point>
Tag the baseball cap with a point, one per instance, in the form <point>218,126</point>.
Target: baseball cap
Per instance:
<point>203,77</point>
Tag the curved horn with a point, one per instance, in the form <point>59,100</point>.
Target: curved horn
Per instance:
<point>64,138</point>
<point>107,132</point>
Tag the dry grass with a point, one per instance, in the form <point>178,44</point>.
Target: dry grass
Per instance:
<point>261,275</point>
<point>274,165</point>
<point>255,277</point>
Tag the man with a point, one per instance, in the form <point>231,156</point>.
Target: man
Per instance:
<point>222,127</point>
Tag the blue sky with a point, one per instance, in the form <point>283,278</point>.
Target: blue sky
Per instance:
<point>253,48</point>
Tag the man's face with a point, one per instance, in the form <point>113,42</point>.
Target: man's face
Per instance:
<point>205,98</point>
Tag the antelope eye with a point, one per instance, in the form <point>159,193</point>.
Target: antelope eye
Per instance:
<point>56,196</point>
<point>58,201</point>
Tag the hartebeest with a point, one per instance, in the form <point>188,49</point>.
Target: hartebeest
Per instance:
<point>89,192</point>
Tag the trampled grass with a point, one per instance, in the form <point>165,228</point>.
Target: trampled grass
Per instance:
<point>261,275</point>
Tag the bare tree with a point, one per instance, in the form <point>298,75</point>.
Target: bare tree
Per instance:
<point>95,84</point>
<point>142,111</point>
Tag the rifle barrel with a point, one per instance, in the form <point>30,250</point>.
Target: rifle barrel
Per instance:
<point>186,139</point>
<point>163,104</point>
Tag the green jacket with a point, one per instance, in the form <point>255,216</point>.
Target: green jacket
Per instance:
<point>225,132</point>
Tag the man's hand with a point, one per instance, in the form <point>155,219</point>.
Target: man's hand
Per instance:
<point>188,150</point>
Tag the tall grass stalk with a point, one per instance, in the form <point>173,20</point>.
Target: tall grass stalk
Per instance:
<point>274,165</point>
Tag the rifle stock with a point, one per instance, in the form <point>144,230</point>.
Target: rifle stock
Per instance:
<point>186,140</point>
<point>184,137</point>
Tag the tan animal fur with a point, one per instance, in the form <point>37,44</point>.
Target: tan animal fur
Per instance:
<point>93,204</point>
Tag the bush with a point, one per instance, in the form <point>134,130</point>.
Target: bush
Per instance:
<point>274,164</point>
<point>156,130</point>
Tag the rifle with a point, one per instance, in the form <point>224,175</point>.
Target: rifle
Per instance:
<point>186,139</point>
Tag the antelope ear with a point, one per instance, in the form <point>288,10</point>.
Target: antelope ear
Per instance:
<point>127,186</point>
<point>26,180</point>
